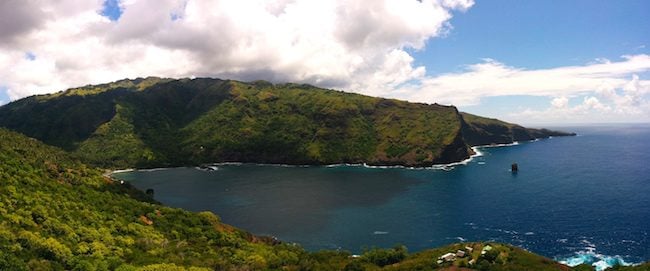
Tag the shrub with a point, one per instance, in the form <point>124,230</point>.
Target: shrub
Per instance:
<point>383,257</point>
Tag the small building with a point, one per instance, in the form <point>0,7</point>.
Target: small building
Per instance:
<point>469,249</point>
<point>448,257</point>
<point>460,253</point>
<point>472,262</point>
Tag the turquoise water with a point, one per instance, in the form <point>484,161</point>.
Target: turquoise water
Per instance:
<point>575,199</point>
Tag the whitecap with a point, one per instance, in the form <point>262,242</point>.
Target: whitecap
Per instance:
<point>599,261</point>
<point>207,168</point>
<point>228,164</point>
<point>153,169</point>
<point>445,167</point>
<point>122,170</point>
<point>515,143</point>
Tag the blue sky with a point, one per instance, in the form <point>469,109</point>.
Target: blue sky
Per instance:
<point>111,9</point>
<point>4,98</point>
<point>531,62</point>
<point>538,35</point>
<point>541,34</point>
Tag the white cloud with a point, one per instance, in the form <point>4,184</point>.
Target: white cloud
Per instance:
<point>354,45</point>
<point>560,102</point>
<point>615,90</point>
<point>357,46</point>
<point>607,106</point>
<point>492,78</point>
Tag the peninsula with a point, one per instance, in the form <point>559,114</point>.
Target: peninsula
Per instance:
<point>157,122</point>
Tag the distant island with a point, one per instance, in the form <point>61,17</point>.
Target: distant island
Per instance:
<point>157,122</point>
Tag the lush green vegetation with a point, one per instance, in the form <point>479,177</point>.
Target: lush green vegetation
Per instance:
<point>161,122</point>
<point>484,131</point>
<point>58,214</point>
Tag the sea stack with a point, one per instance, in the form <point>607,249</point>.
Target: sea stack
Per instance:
<point>514,167</point>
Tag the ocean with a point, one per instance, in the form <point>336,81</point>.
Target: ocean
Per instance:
<point>574,199</point>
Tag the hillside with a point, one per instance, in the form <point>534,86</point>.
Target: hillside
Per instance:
<point>157,122</point>
<point>485,131</point>
<point>59,214</point>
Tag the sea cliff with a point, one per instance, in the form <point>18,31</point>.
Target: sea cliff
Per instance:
<point>154,122</point>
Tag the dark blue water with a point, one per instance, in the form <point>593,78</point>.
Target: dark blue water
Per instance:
<point>573,198</point>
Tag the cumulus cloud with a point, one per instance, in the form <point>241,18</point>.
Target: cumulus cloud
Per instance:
<point>352,45</point>
<point>560,102</point>
<point>630,103</point>
<point>493,78</point>
<point>590,109</point>
<point>359,46</point>
<point>612,90</point>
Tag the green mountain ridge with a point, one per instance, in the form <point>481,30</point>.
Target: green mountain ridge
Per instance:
<point>154,122</point>
<point>57,213</point>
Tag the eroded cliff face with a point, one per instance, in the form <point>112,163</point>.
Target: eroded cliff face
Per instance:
<point>457,151</point>
<point>478,131</point>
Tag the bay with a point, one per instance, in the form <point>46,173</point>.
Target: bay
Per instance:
<point>575,199</point>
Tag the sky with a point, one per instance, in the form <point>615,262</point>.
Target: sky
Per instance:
<point>529,62</point>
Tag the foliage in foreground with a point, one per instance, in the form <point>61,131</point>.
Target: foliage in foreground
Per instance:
<point>59,214</point>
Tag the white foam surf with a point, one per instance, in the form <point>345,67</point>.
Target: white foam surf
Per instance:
<point>499,145</point>
<point>153,169</point>
<point>598,261</point>
<point>122,170</point>
<point>446,167</point>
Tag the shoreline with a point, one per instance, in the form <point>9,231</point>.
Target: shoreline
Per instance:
<point>575,257</point>
<point>445,167</point>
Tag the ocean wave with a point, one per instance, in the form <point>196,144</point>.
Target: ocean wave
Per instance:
<point>228,164</point>
<point>344,165</point>
<point>153,169</point>
<point>122,170</point>
<point>445,167</point>
<point>498,145</point>
<point>142,169</point>
<point>459,238</point>
<point>599,261</point>
<point>207,168</point>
